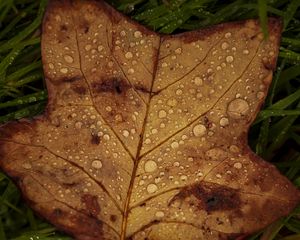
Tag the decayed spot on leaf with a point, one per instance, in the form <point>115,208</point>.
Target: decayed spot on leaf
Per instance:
<point>144,136</point>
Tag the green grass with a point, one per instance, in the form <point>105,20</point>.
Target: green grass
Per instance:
<point>275,135</point>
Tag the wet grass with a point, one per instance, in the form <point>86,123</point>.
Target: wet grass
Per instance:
<point>275,135</point>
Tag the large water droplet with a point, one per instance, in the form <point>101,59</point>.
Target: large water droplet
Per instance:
<point>199,130</point>
<point>152,188</point>
<point>150,166</point>
<point>97,164</point>
<point>238,108</point>
<point>68,59</point>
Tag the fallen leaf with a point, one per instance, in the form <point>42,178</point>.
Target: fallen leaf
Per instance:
<point>144,135</point>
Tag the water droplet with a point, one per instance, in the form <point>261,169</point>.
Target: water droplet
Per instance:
<point>100,48</point>
<point>147,141</point>
<point>260,95</point>
<point>162,114</point>
<point>106,137</point>
<point>26,166</point>
<point>130,71</point>
<point>88,47</point>
<point>198,81</point>
<point>238,108</point>
<point>238,165</point>
<point>178,51</point>
<point>123,33</point>
<point>128,55</point>
<point>229,59</point>
<point>97,164</point>
<point>159,214</point>
<point>234,149</point>
<point>150,166</point>
<point>178,92</point>
<point>246,51</point>
<point>224,122</point>
<point>227,35</point>
<point>64,70</point>
<point>78,125</point>
<point>125,133</point>
<point>174,145</point>
<point>68,59</point>
<point>199,130</point>
<point>183,178</point>
<point>152,188</point>
<point>224,45</point>
<point>137,34</point>
<point>51,65</point>
<point>172,102</point>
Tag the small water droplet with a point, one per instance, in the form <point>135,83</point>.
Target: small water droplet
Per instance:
<point>260,95</point>
<point>198,81</point>
<point>130,71</point>
<point>125,133</point>
<point>162,114</point>
<point>137,34</point>
<point>100,48</point>
<point>26,166</point>
<point>97,164</point>
<point>238,165</point>
<point>64,70</point>
<point>229,59</point>
<point>224,122</point>
<point>246,51</point>
<point>150,166</point>
<point>106,137</point>
<point>238,108</point>
<point>178,51</point>
<point>159,214</point>
<point>174,145</point>
<point>227,35</point>
<point>128,55</point>
<point>199,130</point>
<point>78,125</point>
<point>172,102</point>
<point>152,188</point>
<point>224,45</point>
<point>88,47</point>
<point>51,65</point>
<point>68,59</point>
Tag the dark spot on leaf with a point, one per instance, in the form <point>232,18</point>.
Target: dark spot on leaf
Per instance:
<point>95,139</point>
<point>79,89</point>
<point>112,85</point>
<point>57,212</point>
<point>210,197</point>
<point>113,218</point>
<point>91,203</point>
<point>71,79</point>
<point>63,28</point>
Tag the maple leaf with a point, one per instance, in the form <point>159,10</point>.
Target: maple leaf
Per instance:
<point>144,135</point>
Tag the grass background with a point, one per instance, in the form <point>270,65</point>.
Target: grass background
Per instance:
<point>275,135</point>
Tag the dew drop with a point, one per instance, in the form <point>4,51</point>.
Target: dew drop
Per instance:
<point>227,35</point>
<point>238,165</point>
<point>150,166</point>
<point>125,133</point>
<point>137,34</point>
<point>174,145</point>
<point>128,55</point>
<point>130,71</point>
<point>88,47</point>
<point>162,114</point>
<point>26,166</point>
<point>97,164</point>
<point>106,137</point>
<point>100,48</point>
<point>224,45</point>
<point>229,59</point>
<point>51,65</point>
<point>64,70</point>
<point>68,59</point>
<point>224,122</point>
<point>172,102</point>
<point>78,125</point>
<point>159,214</point>
<point>152,188</point>
<point>198,81</point>
<point>246,51</point>
<point>178,51</point>
<point>199,130</point>
<point>238,108</point>
<point>260,95</point>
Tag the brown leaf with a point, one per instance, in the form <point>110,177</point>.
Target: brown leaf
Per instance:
<point>145,136</point>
